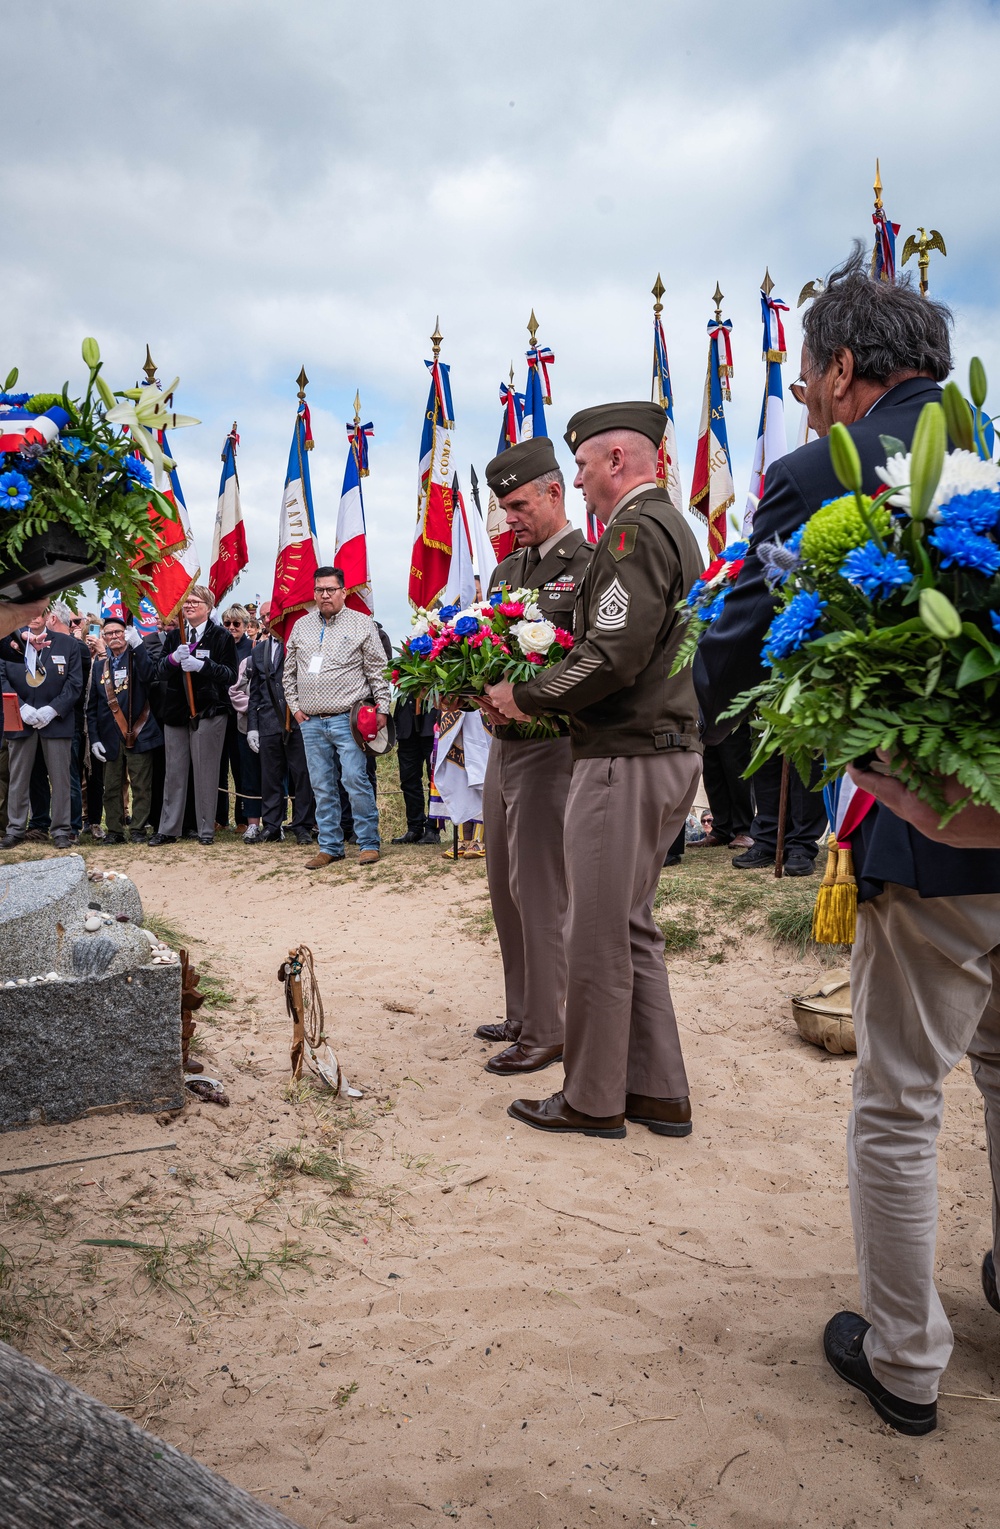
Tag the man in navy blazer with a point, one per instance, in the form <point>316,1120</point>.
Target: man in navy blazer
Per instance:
<point>925,976</point>
<point>48,684</point>
<point>121,727</point>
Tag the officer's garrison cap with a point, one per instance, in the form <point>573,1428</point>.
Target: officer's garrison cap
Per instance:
<point>645,418</point>
<point>521,464</point>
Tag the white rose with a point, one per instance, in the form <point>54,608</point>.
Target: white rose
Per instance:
<point>533,613</point>
<point>535,636</point>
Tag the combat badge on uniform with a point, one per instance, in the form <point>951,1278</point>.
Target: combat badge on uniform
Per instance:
<point>612,607</point>
<point>622,541</point>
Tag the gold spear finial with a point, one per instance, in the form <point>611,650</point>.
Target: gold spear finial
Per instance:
<point>717,297</point>
<point>533,330</point>
<point>658,290</point>
<point>357,408</point>
<point>767,285</point>
<point>149,367</point>
<point>877,188</point>
<point>303,382</point>
<point>437,337</point>
<point>920,244</point>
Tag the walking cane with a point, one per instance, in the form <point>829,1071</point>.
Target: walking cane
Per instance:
<point>783,790</point>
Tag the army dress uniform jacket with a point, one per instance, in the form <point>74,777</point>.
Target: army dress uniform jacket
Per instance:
<point>615,684</point>
<point>557,578</point>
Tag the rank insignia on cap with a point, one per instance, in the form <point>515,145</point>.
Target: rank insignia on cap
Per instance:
<point>621,541</point>
<point>572,437</point>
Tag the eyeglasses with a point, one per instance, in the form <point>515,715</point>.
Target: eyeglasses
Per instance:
<point>77,621</point>
<point>328,589</point>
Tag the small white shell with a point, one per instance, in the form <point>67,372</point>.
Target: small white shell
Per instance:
<point>92,923</point>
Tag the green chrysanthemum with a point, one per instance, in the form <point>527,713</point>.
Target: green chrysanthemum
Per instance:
<point>39,402</point>
<point>838,528</point>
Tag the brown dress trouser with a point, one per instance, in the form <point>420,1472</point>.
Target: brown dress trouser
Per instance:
<point>622,815</point>
<point>524,801</point>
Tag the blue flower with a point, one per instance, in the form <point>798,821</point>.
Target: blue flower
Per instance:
<point>77,449</point>
<point>448,611</point>
<point>695,593</point>
<point>714,611</point>
<point>995,618</point>
<point>875,573</point>
<point>976,511</point>
<point>962,548</point>
<point>793,626</point>
<point>14,400</point>
<point>733,553</point>
<point>138,471</point>
<point>794,542</point>
<point>421,645</point>
<point>497,598</point>
<point>467,626</point>
<point>15,490</point>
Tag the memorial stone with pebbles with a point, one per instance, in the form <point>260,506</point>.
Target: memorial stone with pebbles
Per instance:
<point>90,1001</point>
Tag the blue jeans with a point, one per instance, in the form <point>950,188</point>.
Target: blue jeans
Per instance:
<point>332,754</point>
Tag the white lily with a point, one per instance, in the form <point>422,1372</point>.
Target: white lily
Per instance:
<point>146,415</point>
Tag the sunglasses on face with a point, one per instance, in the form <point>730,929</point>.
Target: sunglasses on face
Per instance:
<point>232,623</point>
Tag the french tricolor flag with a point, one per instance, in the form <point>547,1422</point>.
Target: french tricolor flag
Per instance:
<point>298,553</point>
<point>772,441</point>
<point>351,555</point>
<point>430,560</point>
<point>229,544</point>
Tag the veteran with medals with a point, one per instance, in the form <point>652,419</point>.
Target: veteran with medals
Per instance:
<point>527,777</point>
<point>636,760</point>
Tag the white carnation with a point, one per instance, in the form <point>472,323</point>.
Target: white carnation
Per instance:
<point>963,473</point>
<point>419,625</point>
<point>533,613</point>
<point>535,636</point>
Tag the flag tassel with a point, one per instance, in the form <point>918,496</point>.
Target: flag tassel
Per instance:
<point>836,911</point>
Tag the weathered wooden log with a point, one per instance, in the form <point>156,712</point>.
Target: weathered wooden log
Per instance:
<point>69,1462</point>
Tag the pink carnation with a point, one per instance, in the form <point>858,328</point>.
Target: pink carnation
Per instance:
<point>564,638</point>
<point>476,640</point>
<point>535,658</point>
<point>510,608</point>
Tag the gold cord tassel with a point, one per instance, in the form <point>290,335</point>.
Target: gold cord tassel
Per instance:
<point>836,911</point>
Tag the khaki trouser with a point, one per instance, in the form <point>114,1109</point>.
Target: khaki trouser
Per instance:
<point>622,815</point>
<point>925,986</point>
<point>139,769</point>
<point>524,802</point>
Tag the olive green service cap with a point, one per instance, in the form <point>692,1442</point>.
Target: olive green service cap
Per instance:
<point>521,464</point>
<point>644,418</point>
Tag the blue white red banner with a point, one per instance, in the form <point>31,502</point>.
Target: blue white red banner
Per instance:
<point>712,491</point>
<point>351,555</point>
<point>229,541</point>
<point>772,441</point>
<point>298,550</point>
<point>431,557</point>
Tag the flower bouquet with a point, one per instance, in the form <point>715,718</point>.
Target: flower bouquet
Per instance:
<point>706,598</point>
<point>75,492</point>
<point>452,653</point>
<point>888,632</point>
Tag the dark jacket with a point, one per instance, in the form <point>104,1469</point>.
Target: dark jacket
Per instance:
<point>728,660</point>
<point>210,685</point>
<point>615,683</point>
<point>60,688</point>
<point>411,723</point>
<point>132,696</point>
<point>557,578</point>
<point>266,709</point>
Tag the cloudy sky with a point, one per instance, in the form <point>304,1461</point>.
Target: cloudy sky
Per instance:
<point>258,186</point>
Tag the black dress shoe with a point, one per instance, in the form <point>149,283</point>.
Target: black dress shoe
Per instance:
<point>430,836</point>
<point>138,836</point>
<point>113,838</point>
<point>517,1059</point>
<point>664,1117</point>
<point>11,841</point>
<point>410,837</point>
<point>64,841</point>
<point>990,1282</point>
<point>163,839</point>
<point>799,865</point>
<point>496,1033</point>
<point>304,838</point>
<point>274,836</point>
<point>557,1115</point>
<point>206,839</point>
<point>673,860</point>
<point>842,1345</point>
<point>755,859</point>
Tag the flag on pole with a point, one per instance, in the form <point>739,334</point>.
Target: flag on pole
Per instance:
<point>111,605</point>
<point>229,543</point>
<point>431,556</point>
<point>169,580</point>
<point>500,535</point>
<point>537,392</point>
<point>712,491</point>
<point>486,559</point>
<point>884,252</point>
<point>667,468</point>
<point>298,551</point>
<point>462,578</point>
<point>351,555</point>
<point>772,442</point>
<point>145,621</point>
<point>595,528</point>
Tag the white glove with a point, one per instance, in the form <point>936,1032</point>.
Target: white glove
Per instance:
<point>253,739</point>
<point>29,715</point>
<point>45,715</point>
<point>215,616</point>
<point>132,637</point>
<point>99,752</point>
<point>192,665</point>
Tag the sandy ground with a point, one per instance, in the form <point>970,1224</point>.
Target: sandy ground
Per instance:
<point>493,1328</point>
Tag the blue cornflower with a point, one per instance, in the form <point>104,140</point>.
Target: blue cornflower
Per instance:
<point>467,626</point>
<point>714,611</point>
<point>447,612</point>
<point>420,645</point>
<point>995,618</point>
<point>695,593</point>
<point>793,626</point>
<point>976,511</point>
<point>77,449</point>
<point>14,400</point>
<point>734,552</point>
<point>962,548</point>
<point>794,542</point>
<point>15,490</point>
<point>138,471</point>
<point>875,573</point>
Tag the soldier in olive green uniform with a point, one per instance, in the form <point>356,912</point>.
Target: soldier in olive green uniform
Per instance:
<point>636,760</point>
<point>527,778</point>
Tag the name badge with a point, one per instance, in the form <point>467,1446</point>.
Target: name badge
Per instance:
<point>316,663</point>
<point>202,653</point>
<point>59,661</point>
<point>120,676</point>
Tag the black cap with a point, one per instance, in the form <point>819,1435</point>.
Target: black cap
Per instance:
<point>521,464</point>
<point>644,418</point>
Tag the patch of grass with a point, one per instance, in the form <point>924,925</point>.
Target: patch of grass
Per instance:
<point>679,934</point>
<point>332,1169</point>
<point>480,923</point>
<point>343,1394</point>
<point>165,929</point>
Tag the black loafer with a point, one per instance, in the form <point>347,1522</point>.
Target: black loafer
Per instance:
<point>842,1345</point>
<point>990,1282</point>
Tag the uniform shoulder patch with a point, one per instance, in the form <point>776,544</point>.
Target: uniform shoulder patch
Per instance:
<point>612,607</point>
<point>621,542</point>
